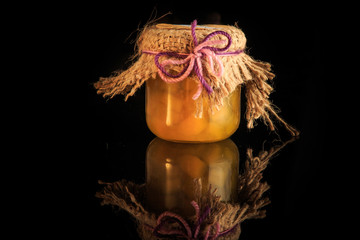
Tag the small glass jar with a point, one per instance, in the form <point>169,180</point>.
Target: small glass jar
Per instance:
<point>171,113</point>
<point>172,167</point>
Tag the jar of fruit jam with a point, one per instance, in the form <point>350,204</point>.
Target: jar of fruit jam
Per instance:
<point>171,113</point>
<point>193,76</point>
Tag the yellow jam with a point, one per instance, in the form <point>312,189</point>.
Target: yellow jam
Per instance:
<point>172,167</point>
<point>171,113</point>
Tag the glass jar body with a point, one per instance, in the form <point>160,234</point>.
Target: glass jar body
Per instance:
<point>171,113</point>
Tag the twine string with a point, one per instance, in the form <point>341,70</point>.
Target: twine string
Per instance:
<point>167,218</point>
<point>192,61</point>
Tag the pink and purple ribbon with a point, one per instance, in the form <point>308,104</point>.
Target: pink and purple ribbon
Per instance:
<point>192,61</point>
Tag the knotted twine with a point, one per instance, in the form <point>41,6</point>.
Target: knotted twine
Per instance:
<point>197,52</point>
<point>185,231</point>
<point>193,59</point>
<point>213,219</point>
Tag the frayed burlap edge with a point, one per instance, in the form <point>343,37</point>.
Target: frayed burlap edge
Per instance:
<point>130,197</point>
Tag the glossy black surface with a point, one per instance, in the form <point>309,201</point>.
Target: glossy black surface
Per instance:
<point>110,137</point>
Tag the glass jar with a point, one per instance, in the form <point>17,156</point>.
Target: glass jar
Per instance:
<point>172,167</point>
<point>171,113</point>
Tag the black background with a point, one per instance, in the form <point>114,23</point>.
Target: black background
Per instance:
<point>106,140</point>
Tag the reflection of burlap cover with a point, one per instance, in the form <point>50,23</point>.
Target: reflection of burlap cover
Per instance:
<point>130,197</point>
<point>237,68</point>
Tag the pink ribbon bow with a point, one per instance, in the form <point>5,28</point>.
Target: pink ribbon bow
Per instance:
<point>192,61</point>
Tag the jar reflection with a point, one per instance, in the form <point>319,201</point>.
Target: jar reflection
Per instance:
<point>172,167</point>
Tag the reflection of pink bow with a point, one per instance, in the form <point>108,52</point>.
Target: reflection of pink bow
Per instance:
<point>193,60</point>
<point>168,218</point>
